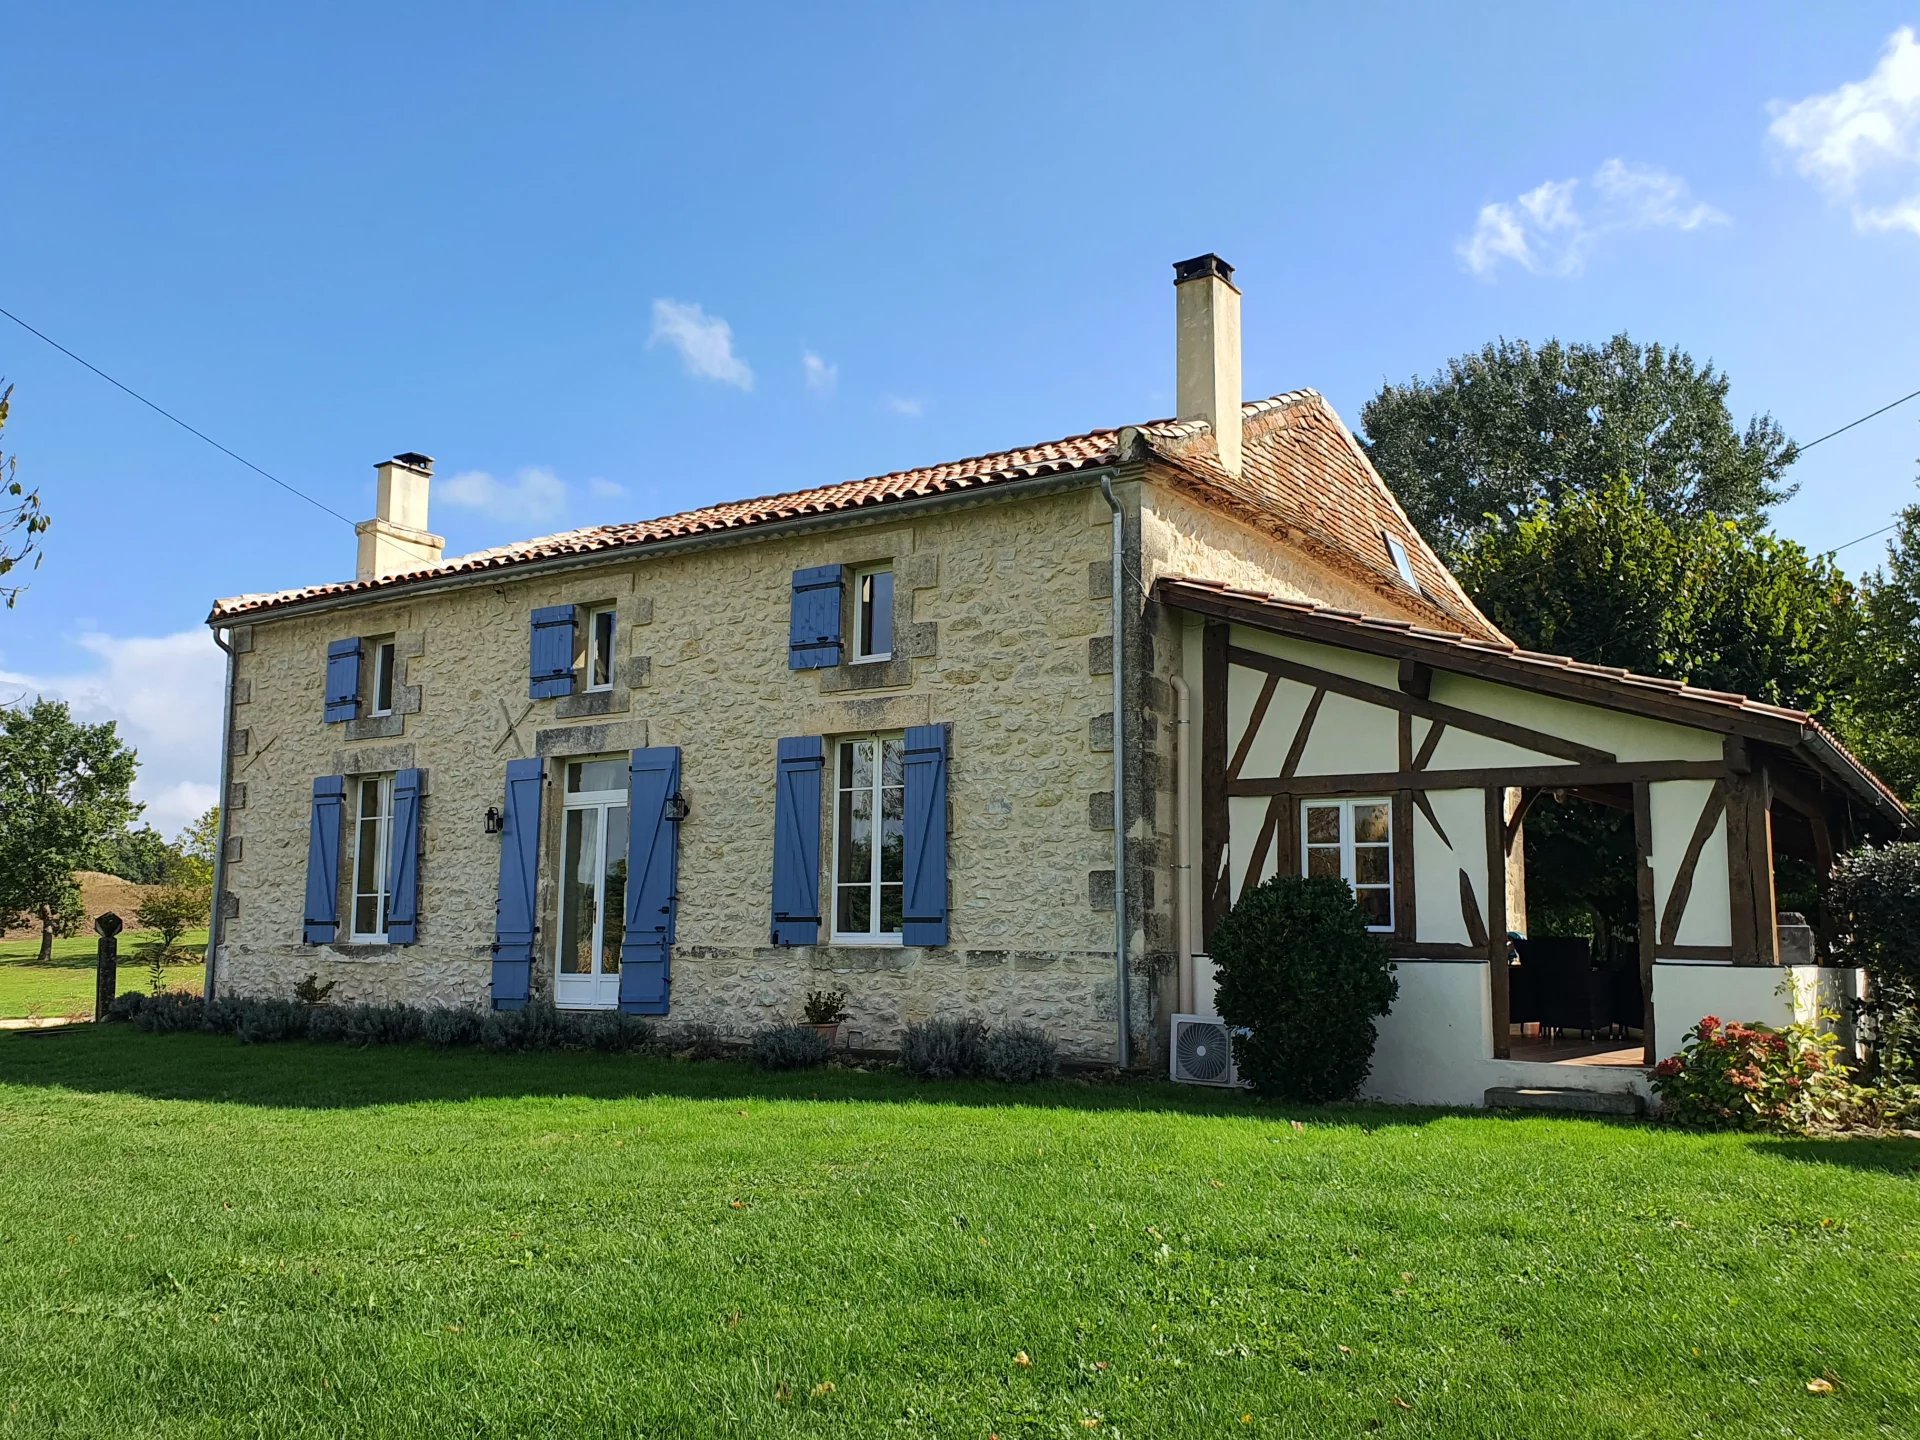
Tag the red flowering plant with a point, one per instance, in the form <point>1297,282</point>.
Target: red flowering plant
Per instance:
<point>1737,1076</point>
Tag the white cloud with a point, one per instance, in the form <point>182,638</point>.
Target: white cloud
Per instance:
<point>604,489</point>
<point>534,496</point>
<point>906,405</point>
<point>705,342</point>
<point>822,376</point>
<point>1546,232</point>
<point>1860,143</point>
<point>164,691</point>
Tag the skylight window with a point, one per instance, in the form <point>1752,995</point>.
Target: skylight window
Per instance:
<point>1401,562</point>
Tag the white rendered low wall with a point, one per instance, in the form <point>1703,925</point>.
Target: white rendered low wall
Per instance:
<point>1436,1045</point>
<point>1684,992</point>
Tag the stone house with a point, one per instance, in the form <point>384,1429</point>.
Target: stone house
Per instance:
<point>1002,737</point>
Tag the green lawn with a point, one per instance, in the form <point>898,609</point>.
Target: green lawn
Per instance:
<point>66,986</point>
<point>201,1238</point>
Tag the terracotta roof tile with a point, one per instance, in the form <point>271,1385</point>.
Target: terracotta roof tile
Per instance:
<point>1302,473</point>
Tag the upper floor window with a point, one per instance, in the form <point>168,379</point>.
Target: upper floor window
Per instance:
<point>382,650</point>
<point>869,839</point>
<point>372,843</point>
<point>873,614</point>
<point>596,658</point>
<point>1352,840</point>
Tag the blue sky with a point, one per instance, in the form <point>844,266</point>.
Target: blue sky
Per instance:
<point>582,255</point>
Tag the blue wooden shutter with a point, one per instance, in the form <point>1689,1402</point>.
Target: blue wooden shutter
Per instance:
<point>813,638</point>
<point>513,927</point>
<point>403,859</point>
<point>323,859</point>
<point>343,681</point>
<point>796,840</point>
<point>653,868</point>
<point>550,652</point>
<point>924,896</point>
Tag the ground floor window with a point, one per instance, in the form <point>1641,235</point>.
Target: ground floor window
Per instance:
<point>593,884</point>
<point>869,838</point>
<point>372,840</point>
<point>1353,840</point>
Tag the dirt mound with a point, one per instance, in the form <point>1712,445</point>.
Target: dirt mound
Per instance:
<point>100,893</point>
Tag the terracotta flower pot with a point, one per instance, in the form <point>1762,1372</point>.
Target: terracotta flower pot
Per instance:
<point>829,1033</point>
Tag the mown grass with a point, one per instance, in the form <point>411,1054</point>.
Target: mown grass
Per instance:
<point>65,987</point>
<point>201,1238</point>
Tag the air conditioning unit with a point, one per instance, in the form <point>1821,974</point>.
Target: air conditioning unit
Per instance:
<point>1201,1052</point>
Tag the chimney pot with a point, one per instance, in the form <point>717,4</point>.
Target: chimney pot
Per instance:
<point>1207,351</point>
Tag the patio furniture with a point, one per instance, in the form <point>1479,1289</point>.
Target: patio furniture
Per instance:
<point>1567,992</point>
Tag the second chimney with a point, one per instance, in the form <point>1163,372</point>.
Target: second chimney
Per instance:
<point>397,539</point>
<point>1207,387</point>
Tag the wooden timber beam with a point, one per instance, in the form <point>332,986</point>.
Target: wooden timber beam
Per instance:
<point>1549,777</point>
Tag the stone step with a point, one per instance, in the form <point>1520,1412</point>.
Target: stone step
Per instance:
<point>1566,1100</point>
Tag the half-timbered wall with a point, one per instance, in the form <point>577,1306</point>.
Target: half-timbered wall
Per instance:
<point>1302,719</point>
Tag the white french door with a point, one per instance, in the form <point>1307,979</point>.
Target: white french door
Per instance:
<point>593,886</point>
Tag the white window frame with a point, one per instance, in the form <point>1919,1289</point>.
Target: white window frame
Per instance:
<point>861,605</point>
<point>606,802</point>
<point>590,647</point>
<point>1402,562</point>
<point>382,825</point>
<point>873,881</point>
<point>1346,805</point>
<point>383,673</point>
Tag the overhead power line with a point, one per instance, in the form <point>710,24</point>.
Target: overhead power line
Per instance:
<point>1861,421</point>
<point>159,410</point>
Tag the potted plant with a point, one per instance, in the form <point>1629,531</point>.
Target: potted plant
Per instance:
<point>825,1009</point>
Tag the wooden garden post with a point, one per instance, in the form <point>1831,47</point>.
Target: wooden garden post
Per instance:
<point>106,965</point>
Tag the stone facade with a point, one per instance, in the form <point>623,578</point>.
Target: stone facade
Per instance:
<point>1002,629</point>
<point>993,624</point>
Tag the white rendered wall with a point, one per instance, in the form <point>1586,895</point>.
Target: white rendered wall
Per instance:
<point>1792,994</point>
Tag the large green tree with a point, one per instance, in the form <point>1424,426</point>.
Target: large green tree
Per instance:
<point>1499,431</point>
<point>63,796</point>
<point>21,519</point>
<point>1885,726</point>
<point>1606,576</point>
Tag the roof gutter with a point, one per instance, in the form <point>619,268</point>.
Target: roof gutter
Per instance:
<point>1862,781</point>
<point>884,511</point>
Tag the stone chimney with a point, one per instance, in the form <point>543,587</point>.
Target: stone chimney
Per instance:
<point>1207,311</point>
<point>397,539</point>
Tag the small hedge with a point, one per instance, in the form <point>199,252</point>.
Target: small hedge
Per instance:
<point>1873,906</point>
<point>933,1049</point>
<point>257,1020</point>
<point>789,1047</point>
<point>1303,977</point>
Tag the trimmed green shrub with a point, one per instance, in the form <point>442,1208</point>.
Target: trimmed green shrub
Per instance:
<point>1020,1054</point>
<point>171,1013</point>
<point>1299,973</point>
<point>452,1026</point>
<point>1873,907</point>
<point>125,1005</point>
<point>943,1049</point>
<point>700,1042</point>
<point>788,1047</point>
<point>262,1022</point>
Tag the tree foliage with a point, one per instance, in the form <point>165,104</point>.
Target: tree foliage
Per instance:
<point>172,909</point>
<point>22,521</point>
<point>1607,577</point>
<point>196,845</point>
<point>1885,727</point>
<point>1498,432</point>
<point>142,856</point>
<point>63,796</point>
<point>1876,899</point>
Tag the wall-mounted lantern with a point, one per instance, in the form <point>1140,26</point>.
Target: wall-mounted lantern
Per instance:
<point>494,823</point>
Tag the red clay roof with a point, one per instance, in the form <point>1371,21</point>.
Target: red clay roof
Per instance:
<point>1715,707</point>
<point>1303,474</point>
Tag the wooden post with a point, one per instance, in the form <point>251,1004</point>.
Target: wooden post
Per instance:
<point>1498,974</point>
<point>106,964</point>
<point>1643,886</point>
